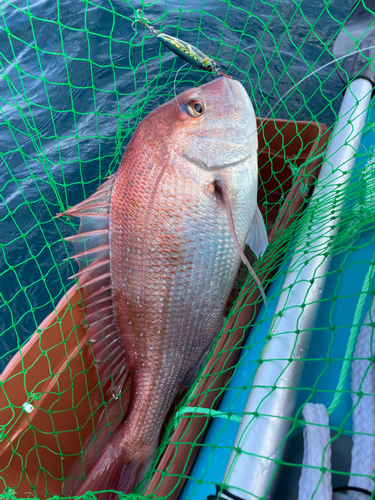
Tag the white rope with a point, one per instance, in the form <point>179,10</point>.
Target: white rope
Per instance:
<point>315,483</point>
<point>363,381</point>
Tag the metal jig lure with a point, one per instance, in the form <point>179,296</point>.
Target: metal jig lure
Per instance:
<point>182,49</point>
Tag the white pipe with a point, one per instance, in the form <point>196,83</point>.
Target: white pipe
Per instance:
<point>271,402</point>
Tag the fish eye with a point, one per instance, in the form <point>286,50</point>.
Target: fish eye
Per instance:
<point>198,107</point>
<point>195,109</point>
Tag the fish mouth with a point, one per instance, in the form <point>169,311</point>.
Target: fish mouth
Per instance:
<point>239,93</point>
<point>225,139</point>
<point>201,164</point>
<point>241,98</point>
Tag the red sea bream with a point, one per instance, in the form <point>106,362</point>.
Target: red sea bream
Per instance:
<point>161,259</point>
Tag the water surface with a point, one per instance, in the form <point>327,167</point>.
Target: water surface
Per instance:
<point>76,80</point>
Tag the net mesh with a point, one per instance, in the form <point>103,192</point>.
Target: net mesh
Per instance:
<point>76,80</point>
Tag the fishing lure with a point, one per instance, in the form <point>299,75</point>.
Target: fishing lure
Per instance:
<point>190,54</point>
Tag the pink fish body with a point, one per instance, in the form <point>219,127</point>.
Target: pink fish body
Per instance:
<point>164,262</point>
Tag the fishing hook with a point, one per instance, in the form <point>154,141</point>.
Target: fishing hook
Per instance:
<point>145,23</point>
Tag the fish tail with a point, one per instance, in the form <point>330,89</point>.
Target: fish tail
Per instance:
<point>115,471</point>
<point>108,422</point>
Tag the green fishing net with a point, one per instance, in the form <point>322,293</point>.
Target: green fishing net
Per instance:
<point>76,80</point>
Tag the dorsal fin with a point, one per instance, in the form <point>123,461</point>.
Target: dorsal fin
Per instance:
<point>92,249</point>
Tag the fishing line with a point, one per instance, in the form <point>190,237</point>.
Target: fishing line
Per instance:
<point>174,86</point>
<point>314,72</point>
<point>192,55</point>
<point>305,78</point>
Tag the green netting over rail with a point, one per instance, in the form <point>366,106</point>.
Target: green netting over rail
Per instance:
<point>76,80</point>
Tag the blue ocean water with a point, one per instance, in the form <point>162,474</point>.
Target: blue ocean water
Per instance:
<point>75,81</point>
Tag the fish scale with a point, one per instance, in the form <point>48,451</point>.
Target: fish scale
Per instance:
<point>172,261</point>
<point>179,330</point>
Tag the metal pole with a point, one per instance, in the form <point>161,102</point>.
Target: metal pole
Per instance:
<point>266,422</point>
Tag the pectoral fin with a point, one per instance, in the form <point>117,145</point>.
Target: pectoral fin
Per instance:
<point>257,238</point>
<point>221,192</point>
